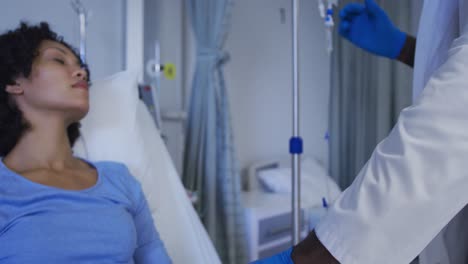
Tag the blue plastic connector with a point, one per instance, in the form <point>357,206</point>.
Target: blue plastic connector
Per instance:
<point>324,203</point>
<point>295,145</point>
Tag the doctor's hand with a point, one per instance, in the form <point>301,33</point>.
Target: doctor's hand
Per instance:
<point>312,251</point>
<point>309,251</point>
<point>281,258</point>
<point>368,27</point>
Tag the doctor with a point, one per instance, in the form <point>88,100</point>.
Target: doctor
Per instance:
<point>376,34</point>
<point>416,181</point>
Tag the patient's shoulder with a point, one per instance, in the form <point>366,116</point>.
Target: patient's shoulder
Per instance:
<point>112,167</point>
<point>115,171</point>
<point>117,176</point>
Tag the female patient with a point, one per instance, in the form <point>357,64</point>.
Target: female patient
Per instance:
<point>54,207</point>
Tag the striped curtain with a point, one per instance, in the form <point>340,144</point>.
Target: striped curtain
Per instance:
<point>210,165</point>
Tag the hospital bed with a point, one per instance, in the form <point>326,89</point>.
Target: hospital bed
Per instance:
<point>120,128</point>
<point>267,202</point>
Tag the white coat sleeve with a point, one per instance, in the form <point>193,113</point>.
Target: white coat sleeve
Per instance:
<point>415,181</point>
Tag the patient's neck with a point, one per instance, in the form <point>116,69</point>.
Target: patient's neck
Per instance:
<point>43,146</point>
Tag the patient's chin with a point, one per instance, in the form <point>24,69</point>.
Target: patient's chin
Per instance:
<point>78,113</point>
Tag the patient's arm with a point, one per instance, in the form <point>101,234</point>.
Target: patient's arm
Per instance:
<point>150,248</point>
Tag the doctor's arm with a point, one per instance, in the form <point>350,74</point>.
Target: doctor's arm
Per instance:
<point>416,180</point>
<point>309,251</point>
<point>368,27</point>
<point>408,51</point>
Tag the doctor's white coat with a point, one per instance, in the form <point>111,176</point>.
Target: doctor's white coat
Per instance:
<point>417,178</point>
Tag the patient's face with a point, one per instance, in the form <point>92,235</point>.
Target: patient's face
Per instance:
<point>57,85</point>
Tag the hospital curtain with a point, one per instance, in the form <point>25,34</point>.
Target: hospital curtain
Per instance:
<point>210,165</point>
<point>367,94</point>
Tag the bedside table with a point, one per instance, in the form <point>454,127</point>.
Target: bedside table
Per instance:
<point>269,223</point>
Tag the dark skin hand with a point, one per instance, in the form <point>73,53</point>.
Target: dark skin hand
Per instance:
<point>408,52</point>
<point>311,250</point>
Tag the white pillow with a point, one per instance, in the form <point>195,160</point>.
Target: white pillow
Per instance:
<point>119,127</point>
<point>109,129</point>
<point>315,182</point>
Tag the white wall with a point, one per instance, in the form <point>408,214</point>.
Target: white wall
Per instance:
<point>259,79</point>
<point>165,22</point>
<point>258,76</point>
<point>105,31</point>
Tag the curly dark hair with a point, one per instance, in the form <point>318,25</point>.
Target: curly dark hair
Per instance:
<point>18,49</point>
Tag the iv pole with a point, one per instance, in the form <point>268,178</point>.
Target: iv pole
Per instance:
<point>83,16</point>
<point>295,143</point>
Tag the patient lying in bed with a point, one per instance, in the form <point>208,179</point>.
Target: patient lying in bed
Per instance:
<point>108,222</point>
<point>54,207</point>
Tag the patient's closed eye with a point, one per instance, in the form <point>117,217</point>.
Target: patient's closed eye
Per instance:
<point>59,60</point>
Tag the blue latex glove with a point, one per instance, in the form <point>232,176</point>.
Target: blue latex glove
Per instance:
<point>368,27</point>
<point>281,258</point>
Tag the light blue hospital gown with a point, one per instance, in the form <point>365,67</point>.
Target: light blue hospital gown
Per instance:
<point>107,223</point>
